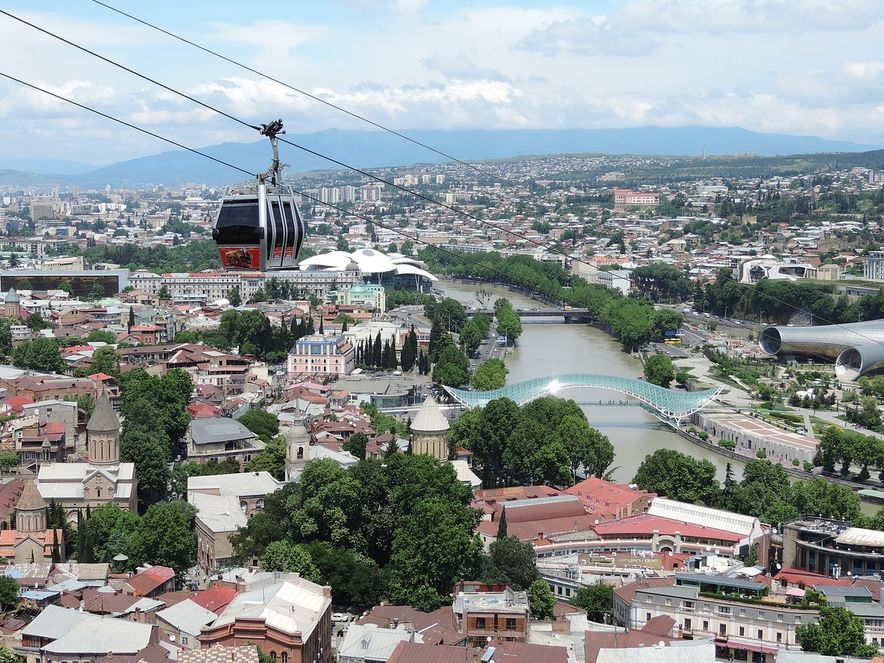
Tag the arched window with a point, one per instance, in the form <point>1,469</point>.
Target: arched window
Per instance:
<point>98,493</point>
<point>285,657</point>
<point>273,656</point>
<point>300,453</point>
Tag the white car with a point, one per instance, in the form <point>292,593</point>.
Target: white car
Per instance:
<point>340,617</point>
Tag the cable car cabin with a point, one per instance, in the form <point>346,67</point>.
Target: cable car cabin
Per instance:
<point>251,236</point>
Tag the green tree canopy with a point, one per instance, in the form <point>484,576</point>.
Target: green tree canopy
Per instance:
<point>541,600</point>
<point>40,354</point>
<point>838,633</point>
<point>491,374</point>
<point>597,599</point>
<point>659,370</point>
<point>678,477</point>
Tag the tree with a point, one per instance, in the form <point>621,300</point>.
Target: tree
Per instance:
<point>597,599</point>
<point>110,529</point>
<point>41,354</point>
<point>271,459</point>
<point>541,600</point>
<point>512,562</point>
<point>491,374</point>
<point>353,577</point>
<point>97,291</point>
<point>165,535</point>
<point>819,496</point>
<point>838,633</point>
<point>148,449</point>
<point>163,294</point>
<point>262,423</point>
<point>356,445</point>
<point>678,477</point>
<point>659,370</point>
<point>234,297</point>
<point>501,525</point>
<point>452,367</point>
<point>8,591</point>
<point>8,460</point>
<point>289,557</point>
<point>101,336</point>
<point>106,360</point>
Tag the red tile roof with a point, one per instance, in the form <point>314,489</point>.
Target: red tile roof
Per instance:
<point>215,598</point>
<point>9,494</point>
<point>607,497</point>
<point>534,530</point>
<point>17,403</point>
<point>150,579</point>
<point>645,525</point>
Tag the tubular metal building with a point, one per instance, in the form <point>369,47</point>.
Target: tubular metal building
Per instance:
<point>856,347</point>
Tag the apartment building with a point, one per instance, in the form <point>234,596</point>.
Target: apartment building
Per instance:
<point>485,611</point>
<point>743,627</point>
<point>325,355</point>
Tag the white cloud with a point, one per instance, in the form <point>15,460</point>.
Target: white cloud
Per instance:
<point>461,67</point>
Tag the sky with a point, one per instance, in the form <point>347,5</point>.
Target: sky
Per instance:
<point>809,67</point>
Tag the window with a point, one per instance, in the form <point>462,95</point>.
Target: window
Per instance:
<point>760,634</point>
<point>668,601</point>
<point>705,625</point>
<point>687,605</point>
<point>480,623</point>
<point>742,630</point>
<point>273,656</point>
<point>724,610</point>
<point>687,624</point>
<point>285,657</point>
<point>742,612</point>
<point>510,624</point>
<point>779,617</point>
<point>722,629</point>
<point>647,616</point>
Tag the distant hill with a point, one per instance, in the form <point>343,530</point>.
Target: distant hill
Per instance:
<point>47,166</point>
<point>376,149</point>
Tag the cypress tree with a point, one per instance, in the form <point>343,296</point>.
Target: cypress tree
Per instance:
<point>344,326</point>
<point>321,326</point>
<point>377,352</point>
<point>394,362</point>
<point>56,554</point>
<point>81,532</point>
<point>501,525</point>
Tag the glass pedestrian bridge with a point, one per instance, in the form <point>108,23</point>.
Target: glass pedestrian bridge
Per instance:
<point>670,405</point>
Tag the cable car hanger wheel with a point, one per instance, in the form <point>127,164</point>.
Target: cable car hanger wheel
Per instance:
<point>261,229</point>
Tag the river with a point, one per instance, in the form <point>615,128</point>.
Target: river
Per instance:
<point>552,348</point>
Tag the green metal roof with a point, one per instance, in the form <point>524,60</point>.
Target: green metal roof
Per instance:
<point>671,405</point>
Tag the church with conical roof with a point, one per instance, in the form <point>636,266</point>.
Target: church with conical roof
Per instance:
<point>429,431</point>
<point>102,478</point>
<point>31,541</point>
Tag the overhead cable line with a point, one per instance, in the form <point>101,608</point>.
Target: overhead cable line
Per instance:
<point>294,88</point>
<point>412,238</point>
<point>308,150</point>
<point>127,124</point>
<point>364,172</point>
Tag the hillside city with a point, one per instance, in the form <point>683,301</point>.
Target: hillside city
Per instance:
<point>303,465</point>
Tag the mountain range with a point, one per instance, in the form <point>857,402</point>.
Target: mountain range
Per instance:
<point>372,149</point>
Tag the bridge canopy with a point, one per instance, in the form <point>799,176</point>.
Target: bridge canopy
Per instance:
<point>671,405</point>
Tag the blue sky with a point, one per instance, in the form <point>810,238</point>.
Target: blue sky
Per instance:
<point>802,67</point>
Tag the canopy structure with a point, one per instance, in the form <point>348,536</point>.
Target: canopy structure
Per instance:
<point>671,405</point>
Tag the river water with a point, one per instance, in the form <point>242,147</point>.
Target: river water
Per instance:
<point>552,348</point>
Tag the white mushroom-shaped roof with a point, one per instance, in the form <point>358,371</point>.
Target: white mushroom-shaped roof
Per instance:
<point>369,261</point>
<point>402,270</point>
<point>331,260</point>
